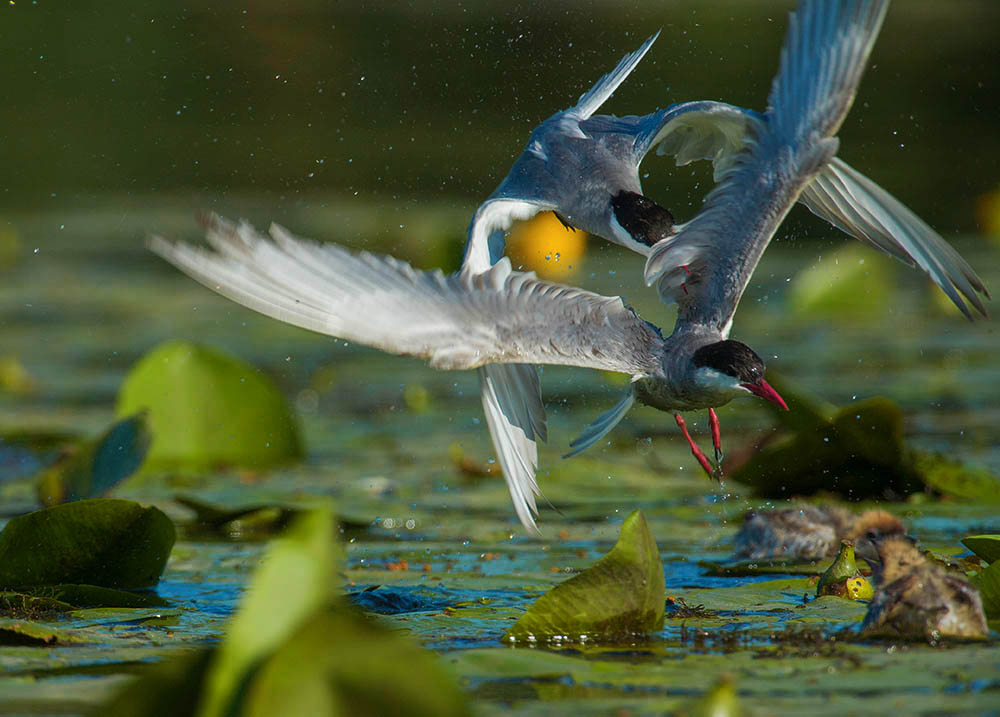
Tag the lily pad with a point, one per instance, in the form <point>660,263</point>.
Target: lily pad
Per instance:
<point>98,466</point>
<point>102,541</point>
<point>22,633</point>
<point>986,547</point>
<point>207,408</point>
<point>988,582</point>
<point>244,523</point>
<point>620,596</point>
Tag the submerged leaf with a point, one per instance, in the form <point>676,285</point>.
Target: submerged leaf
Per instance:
<point>246,523</point>
<point>99,465</point>
<point>103,541</point>
<point>208,408</point>
<point>620,596</point>
<point>296,579</point>
<point>986,547</point>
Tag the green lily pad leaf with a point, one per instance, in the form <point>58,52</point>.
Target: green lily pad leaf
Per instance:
<point>30,607</point>
<point>305,557</point>
<point>337,663</point>
<point>841,569</point>
<point>98,466</point>
<point>621,595</point>
<point>102,541</point>
<point>849,284</point>
<point>953,478</point>
<point>22,633</point>
<point>87,596</point>
<point>207,408</point>
<point>986,547</point>
<point>988,582</point>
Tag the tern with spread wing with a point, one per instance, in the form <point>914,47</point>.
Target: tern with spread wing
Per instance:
<point>585,168</point>
<point>493,315</point>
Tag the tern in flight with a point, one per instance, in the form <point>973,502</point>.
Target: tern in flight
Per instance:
<point>492,315</point>
<point>584,167</point>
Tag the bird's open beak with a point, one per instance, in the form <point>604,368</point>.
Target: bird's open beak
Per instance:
<point>764,390</point>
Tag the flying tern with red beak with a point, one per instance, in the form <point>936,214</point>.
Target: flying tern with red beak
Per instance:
<point>496,316</point>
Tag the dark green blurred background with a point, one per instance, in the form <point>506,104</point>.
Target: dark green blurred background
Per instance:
<point>265,106</point>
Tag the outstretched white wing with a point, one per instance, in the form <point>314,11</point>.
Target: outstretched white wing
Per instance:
<point>454,321</point>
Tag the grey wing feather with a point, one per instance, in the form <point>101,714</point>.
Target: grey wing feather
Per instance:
<point>456,322</point>
<point>602,425</point>
<point>856,205</point>
<point>597,95</point>
<point>511,402</point>
<point>706,266</point>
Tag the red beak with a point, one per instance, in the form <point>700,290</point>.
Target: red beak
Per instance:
<point>764,390</point>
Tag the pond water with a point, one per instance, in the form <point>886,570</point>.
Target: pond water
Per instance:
<point>335,123</point>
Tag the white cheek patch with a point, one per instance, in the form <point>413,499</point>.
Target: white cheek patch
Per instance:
<point>712,379</point>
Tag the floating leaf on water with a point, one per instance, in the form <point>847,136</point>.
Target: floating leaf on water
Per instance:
<point>252,522</point>
<point>102,541</point>
<point>99,465</point>
<point>296,579</point>
<point>621,595</point>
<point>988,582</point>
<point>986,547</point>
<point>19,633</point>
<point>207,408</point>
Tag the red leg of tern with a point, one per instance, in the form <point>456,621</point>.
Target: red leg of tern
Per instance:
<point>713,421</point>
<point>695,451</point>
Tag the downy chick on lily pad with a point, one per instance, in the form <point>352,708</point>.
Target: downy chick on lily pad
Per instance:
<point>807,532</point>
<point>915,598</point>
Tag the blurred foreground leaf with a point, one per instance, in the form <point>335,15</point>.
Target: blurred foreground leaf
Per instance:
<point>296,579</point>
<point>986,547</point>
<point>622,595</point>
<point>104,542</point>
<point>295,647</point>
<point>97,466</point>
<point>207,408</point>
<point>721,701</point>
<point>339,664</point>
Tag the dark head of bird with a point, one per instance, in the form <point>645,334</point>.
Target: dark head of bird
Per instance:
<point>735,361</point>
<point>645,220</point>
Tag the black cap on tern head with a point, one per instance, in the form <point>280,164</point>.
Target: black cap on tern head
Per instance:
<point>645,220</point>
<point>736,359</point>
<point>732,358</point>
